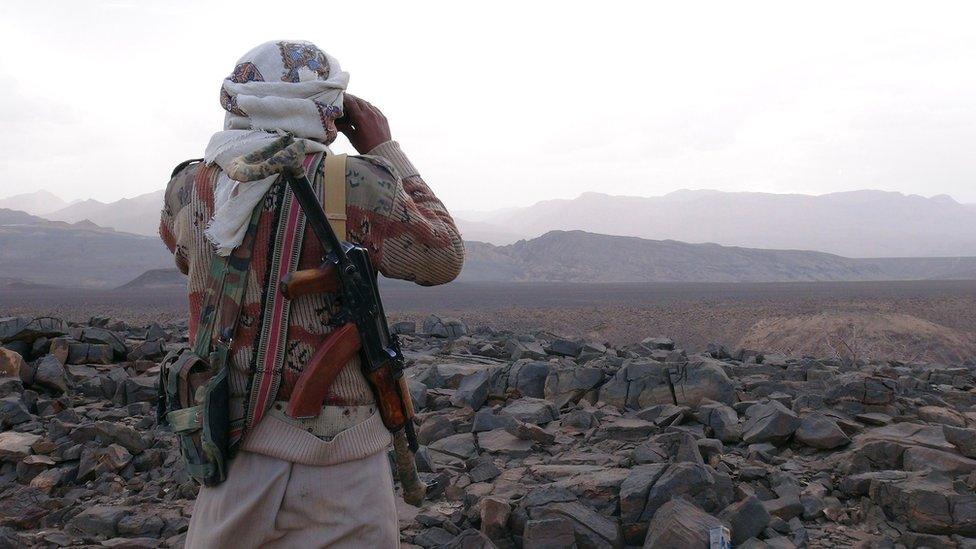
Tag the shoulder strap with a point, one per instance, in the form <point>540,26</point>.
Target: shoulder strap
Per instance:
<point>179,167</point>
<point>228,278</point>
<point>334,195</point>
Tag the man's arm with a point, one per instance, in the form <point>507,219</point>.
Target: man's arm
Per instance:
<point>173,218</point>
<point>419,240</point>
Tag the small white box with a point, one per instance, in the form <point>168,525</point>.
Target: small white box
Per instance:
<point>719,537</point>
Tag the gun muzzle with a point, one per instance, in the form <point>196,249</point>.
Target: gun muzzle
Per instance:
<point>414,489</point>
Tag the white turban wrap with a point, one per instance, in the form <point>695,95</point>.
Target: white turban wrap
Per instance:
<point>281,86</point>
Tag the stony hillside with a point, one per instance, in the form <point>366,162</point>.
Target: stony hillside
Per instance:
<point>867,334</point>
<point>529,440</point>
<point>157,279</point>
<point>577,256</point>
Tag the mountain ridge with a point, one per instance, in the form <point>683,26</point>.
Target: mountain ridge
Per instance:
<point>885,223</point>
<point>35,250</point>
<point>137,215</point>
<point>579,256</point>
<point>35,203</point>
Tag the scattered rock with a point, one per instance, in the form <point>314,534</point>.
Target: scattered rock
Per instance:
<point>528,440</point>
<point>528,378</point>
<point>500,441</point>
<point>532,410</point>
<point>13,411</point>
<point>11,363</point>
<point>721,419</point>
<point>461,445</point>
<point>642,383</point>
<point>819,431</point>
<point>746,518</point>
<point>531,432</point>
<point>591,528</point>
<point>472,392</point>
<point>942,416</point>
<point>494,517</point>
<point>927,503</point>
<point>551,533</point>
<point>404,327</point>
<point>16,446</point>
<point>680,524</point>
<point>769,421</point>
<point>100,520</point>
<point>448,328</point>
<point>963,439</point>
<point>89,353</point>
<point>565,385</point>
<point>154,349</point>
<point>564,347</point>
<point>665,343</point>
<point>49,374</point>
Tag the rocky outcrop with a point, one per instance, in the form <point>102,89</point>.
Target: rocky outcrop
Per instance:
<point>529,440</point>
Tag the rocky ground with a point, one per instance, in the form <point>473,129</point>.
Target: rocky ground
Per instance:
<point>529,440</point>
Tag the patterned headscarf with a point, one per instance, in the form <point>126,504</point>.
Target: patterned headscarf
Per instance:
<point>281,86</point>
<point>284,86</point>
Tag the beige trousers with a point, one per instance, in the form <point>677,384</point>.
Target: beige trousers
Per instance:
<point>269,502</point>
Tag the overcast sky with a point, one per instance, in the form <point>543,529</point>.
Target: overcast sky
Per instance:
<point>508,103</point>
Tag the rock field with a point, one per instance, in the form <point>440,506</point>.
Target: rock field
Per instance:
<point>528,440</point>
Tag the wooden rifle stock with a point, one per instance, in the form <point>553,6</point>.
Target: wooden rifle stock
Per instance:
<point>329,359</point>
<point>320,280</point>
<point>388,398</point>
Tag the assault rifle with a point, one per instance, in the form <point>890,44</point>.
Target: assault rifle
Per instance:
<point>360,325</point>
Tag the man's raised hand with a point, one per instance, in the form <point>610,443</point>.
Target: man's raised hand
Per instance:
<point>363,124</point>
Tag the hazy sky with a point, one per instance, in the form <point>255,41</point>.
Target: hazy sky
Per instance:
<point>507,103</point>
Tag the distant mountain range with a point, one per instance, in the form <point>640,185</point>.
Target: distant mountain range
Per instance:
<point>577,256</point>
<point>139,215</point>
<point>851,224</point>
<point>705,236</point>
<point>36,203</point>
<point>38,251</point>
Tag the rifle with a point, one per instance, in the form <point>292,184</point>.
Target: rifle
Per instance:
<point>361,325</point>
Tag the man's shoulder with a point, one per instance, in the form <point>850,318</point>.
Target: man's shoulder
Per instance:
<point>184,184</point>
<point>192,164</point>
<point>371,182</point>
<point>370,166</point>
<point>183,175</point>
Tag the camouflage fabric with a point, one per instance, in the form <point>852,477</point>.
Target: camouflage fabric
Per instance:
<point>283,155</point>
<point>194,392</point>
<point>228,277</point>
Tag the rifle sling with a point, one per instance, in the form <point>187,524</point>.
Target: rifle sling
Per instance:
<point>334,194</point>
<point>228,278</point>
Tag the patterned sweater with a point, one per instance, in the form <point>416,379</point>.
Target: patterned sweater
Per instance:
<point>390,211</point>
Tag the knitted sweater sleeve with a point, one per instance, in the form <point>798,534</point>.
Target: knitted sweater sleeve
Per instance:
<point>416,238</point>
<point>174,221</point>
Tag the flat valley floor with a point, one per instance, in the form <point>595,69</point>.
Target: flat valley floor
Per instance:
<point>916,320</point>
